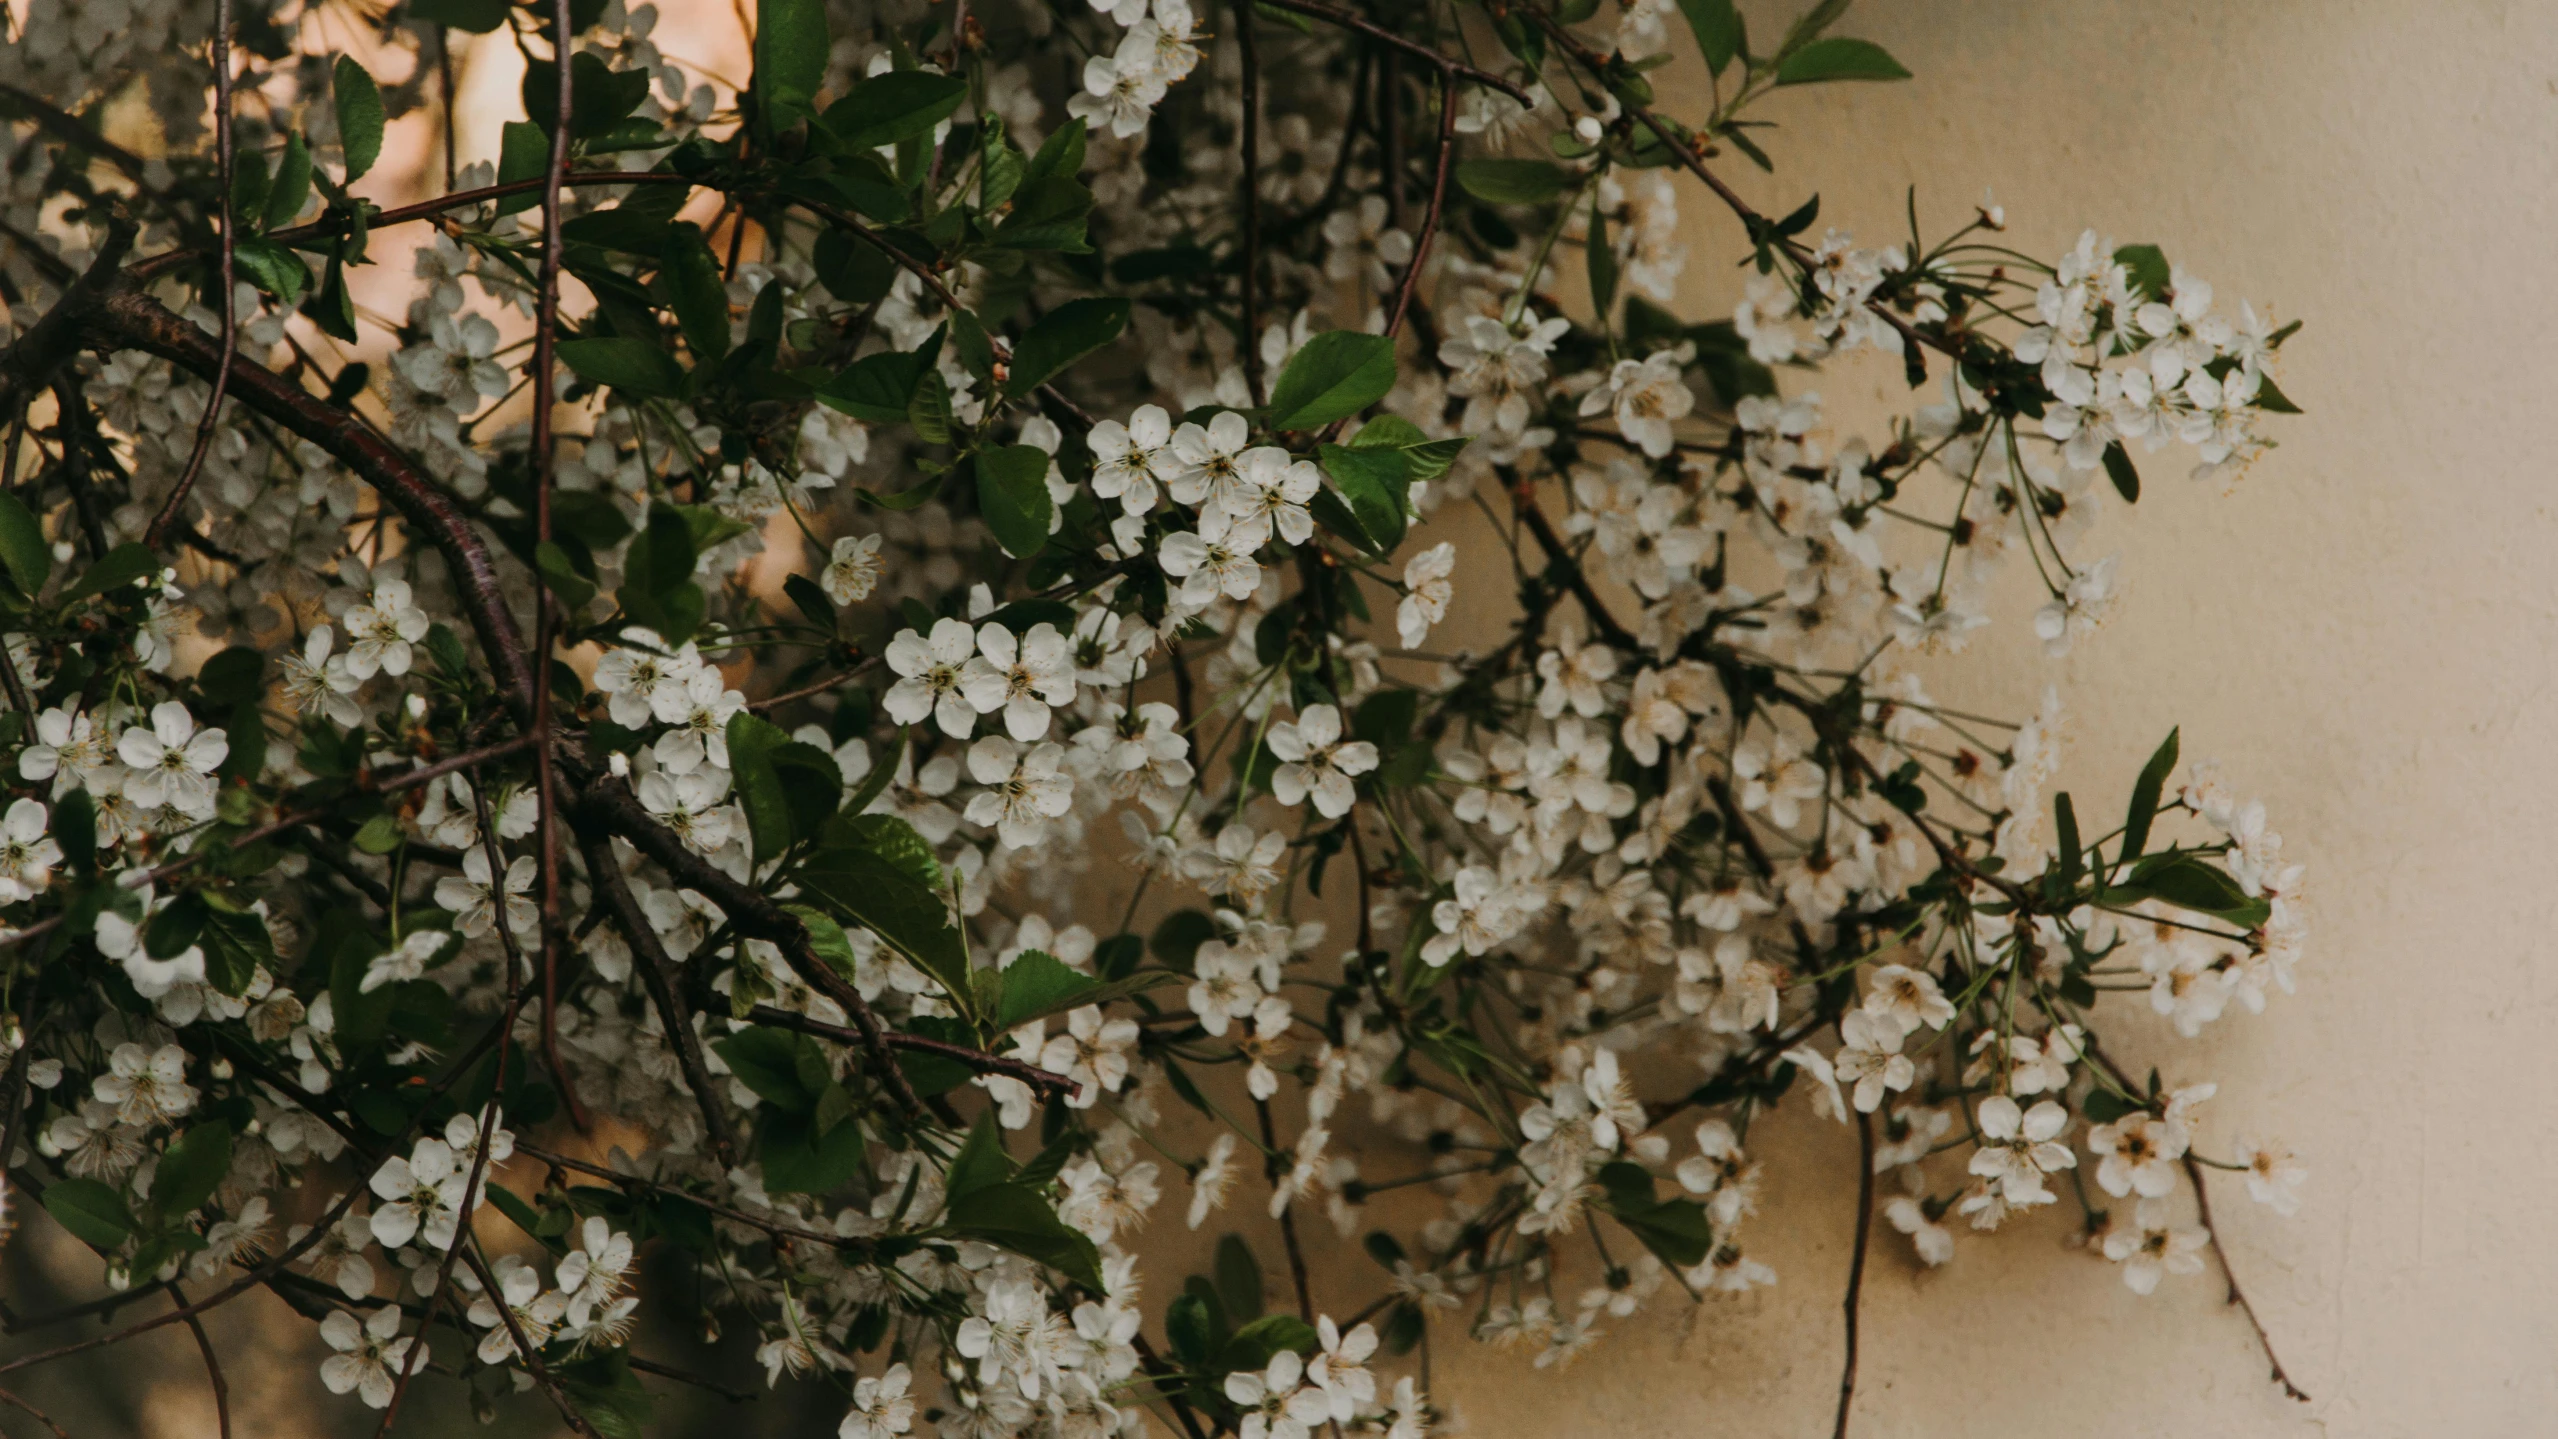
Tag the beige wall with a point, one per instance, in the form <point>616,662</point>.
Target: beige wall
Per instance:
<point>2362,632</point>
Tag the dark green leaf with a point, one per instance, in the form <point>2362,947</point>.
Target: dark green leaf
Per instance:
<point>191,1169</point>
<point>1717,27</point>
<point>23,551</point>
<point>561,575</point>
<point>1012,495</point>
<point>884,899</point>
<point>791,46</point>
<point>2145,795</point>
<point>1839,58</point>
<point>478,17</point>
<point>1334,375</point>
<point>751,742</point>
<point>1602,260</point>
<point>122,566</point>
<point>2118,468</point>
<point>523,153</point>
<point>2149,271</point>
<point>1009,1216</point>
<point>1238,1278</point>
<point>767,1061</point>
<point>292,187</point>
<point>657,577</point>
<point>1062,336</point>
<point>634,366</point>
<point>94,1213</point>
<point>1373,483</point>
<point>801,1157</point>
<point>2073,856</point>
<point>693,283</point>
<point>1048,214</point>
<point>1513,182</point>
<point>981,1161</point>
<point>853,271</point>
<point>274,269</point>
<point>359,107</point>
<point>1253,1345</point>
<point>885,109</point>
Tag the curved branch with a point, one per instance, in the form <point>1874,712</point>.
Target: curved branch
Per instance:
<point>975,1059</point>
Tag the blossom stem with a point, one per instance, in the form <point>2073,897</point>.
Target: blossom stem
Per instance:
<point>158,533</point>
<point>2237,1296</point>
<point>1856,1265</point>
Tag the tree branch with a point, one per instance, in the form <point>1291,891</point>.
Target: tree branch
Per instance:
<point>975,1059</point>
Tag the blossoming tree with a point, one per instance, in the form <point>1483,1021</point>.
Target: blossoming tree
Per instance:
<point>795,710</point>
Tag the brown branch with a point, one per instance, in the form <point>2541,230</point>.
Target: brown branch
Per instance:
<point>227,236</point>
<point>773,1227</point>
<point>1523,503</point>
<point>2238,1297</point>
<point>1250,282</point>
<point>1856,1265</point>
<point>132,320</point>
<point>658,974</point>
<point>975,1059</point>
<point>515,1330</point>
<point>612,804</point>
<point>1438,199</point>
<point>1271,1165</point>
<point>1446,64</point>
<point>40,1416</point>
<point>546,326</point>
<point>69,129</point>
<point>204,1341</point>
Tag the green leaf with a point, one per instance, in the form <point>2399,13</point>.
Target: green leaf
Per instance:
<point>2147,266</point>
<point>1717,27</point>
<point>878,388</point>
<point>889,838</point>
<point>1062,336</point>
<point>1060,157</point>
<point>876,894</point>
<point>801,1156</point>
<point>751,742</point>
<point>1253,1345</point>
<point>1426,458</point>
<point>1602,259</point>
<point>2145,794</point>
<point>523,153</point>
<point>2073,855</point>
<point>2188,883</point>
<point>359,106</point>
<point>1373,483</point>
<point>1513,182</point>
<point>600,98</point>
<point>236,946</point>
<point>981,1162</point>
<point>886,109</point>
<point>75,830</point>
<point>699,295</point>
<point>767,1061</point>
<point>2118,468</point>
<point>855,272</point>
<point>657,577</point>
<point>1048,214</point>
<point>23,551</point>
<point>191,1169</point>
<point>234,677</point>
<point>791,46</point>
<point>1012,495</point>
<point>1839,58</point>
<point>633,366</point>
<point>274,269</point>
<point>292,187</point>
<point>1012,1217</point>
<point>561,575</point>
<point>1238,1278</point>
<point>122,566</point>
<point>1334,375</point>
<point>94,1213</point>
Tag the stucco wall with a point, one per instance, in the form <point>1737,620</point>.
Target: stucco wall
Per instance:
<point>2362,632</point>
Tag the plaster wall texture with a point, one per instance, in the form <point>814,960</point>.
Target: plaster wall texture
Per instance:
<point>2362,632</point>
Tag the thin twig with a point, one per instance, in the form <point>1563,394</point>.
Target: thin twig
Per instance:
<point>1446,64</point>
<point>158,533</point>
<point>40,1416</point>
<point>1272,1165</point>
<point>658,975</point>
<point>1438,199</point>
<point>212,1362</point>
<point>1251,279</point>
<point>2237,1296</point>
<point>975,1059</point>
<point>1856,1265</point>
<point>523,1343</point>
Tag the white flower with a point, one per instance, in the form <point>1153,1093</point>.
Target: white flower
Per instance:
<point>316,680</point>
<point>1934,1242</point>
<point>1207,467</point>
<point>689,804</point>
<point>146,1086</point>
<point>2140,1153</point>
<point>1093,1052</point>
<point>1022,678</point>
<point>1215,560</point>
<point>2019,1148</point>
<point>27,853</point>
<point>1119,91</point>
<point>172,762</point>
<point>1275,1404</point>
<point>423,1191</point>
<point>853,572</point>
<point>1216,1176</point>
<point>1870,1058</point>
<point>1273,494</point>
<point>471,897</point>
<point>407,962</point>
<point>455,363</point>
<point>699,711</point>
<point>1647,395</point>
<point>1024,789</point>
<point>383,631</point>
<point>1361,246</point>
<point>370,1355</point>
<point>1128,461</point>
<point>1316,761</point>
<point>71,751</point>
<point>1427,591</point>
<point>881,1408</point>
<point>2274,1178</point>
<point>1496,370</point>
<point>2150,1247</point>
<point>636,673</point>
<point>929,676</point>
